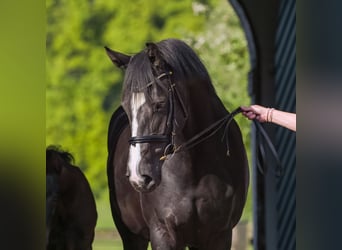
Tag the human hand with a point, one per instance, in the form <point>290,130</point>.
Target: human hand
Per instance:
<point>255,112</point>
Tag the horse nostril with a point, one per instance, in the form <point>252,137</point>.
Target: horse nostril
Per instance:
<point>147,179</point>
<point>149,182</point>
<point>144,184</point>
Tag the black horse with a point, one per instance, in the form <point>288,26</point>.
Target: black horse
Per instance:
<point>70,205</point>
<point>171,180</point>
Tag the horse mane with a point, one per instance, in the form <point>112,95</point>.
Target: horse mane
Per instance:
<point>186,66</point>
<point>183,60</point>
<point>54,150</point>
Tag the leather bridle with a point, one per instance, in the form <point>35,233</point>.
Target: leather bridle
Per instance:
<point>170,124</point>
<point>171,148</point>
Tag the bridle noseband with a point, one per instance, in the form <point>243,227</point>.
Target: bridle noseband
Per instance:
<point>148,138</point>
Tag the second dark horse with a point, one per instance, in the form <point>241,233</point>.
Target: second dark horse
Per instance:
<point>70,205</point>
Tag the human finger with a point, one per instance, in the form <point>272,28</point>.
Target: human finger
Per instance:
<point>245,109</point>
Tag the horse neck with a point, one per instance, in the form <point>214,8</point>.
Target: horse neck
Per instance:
<point>205,108</point>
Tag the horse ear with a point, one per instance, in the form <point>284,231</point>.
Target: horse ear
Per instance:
<point>153,54</point>
<point>119,59</point>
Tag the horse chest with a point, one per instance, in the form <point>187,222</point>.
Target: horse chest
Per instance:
<point>176,205</point>
<point>210,200</point>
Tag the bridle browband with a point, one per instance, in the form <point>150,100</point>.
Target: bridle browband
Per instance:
<point>208,132</point>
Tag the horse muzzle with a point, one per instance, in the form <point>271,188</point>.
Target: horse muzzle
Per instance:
<point>144,184</point>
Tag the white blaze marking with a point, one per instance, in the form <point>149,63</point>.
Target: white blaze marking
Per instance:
<point>138,99</point>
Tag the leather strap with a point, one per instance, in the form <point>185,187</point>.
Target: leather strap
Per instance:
<point>148,139</point>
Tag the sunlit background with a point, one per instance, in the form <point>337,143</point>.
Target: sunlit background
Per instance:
<point>83,87</point>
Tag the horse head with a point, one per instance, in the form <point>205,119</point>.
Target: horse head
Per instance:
<point>150,101</point>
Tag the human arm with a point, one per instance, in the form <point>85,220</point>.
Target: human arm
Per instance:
<point>263,114</point>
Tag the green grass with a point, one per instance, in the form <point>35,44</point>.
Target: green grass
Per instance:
<point>106,236</point>
<point>107,244</point>
<point>105,219</point>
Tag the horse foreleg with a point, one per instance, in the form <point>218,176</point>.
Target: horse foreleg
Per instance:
<point>134,242</point>
<point>221,241</point>
<point>162,242</point>
<point>163,237</point>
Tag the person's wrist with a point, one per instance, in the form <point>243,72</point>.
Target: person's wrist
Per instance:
<point>269,115</point>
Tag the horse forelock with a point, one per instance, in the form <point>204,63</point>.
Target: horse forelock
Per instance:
<point>138,73</point>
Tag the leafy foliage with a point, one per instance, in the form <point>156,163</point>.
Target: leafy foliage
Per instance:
<point>84,88</point>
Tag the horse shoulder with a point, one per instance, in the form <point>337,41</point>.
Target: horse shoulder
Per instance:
<point>214,200</point>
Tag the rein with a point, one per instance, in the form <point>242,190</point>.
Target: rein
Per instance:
<point>215,127</point>
<point>208,132</point>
